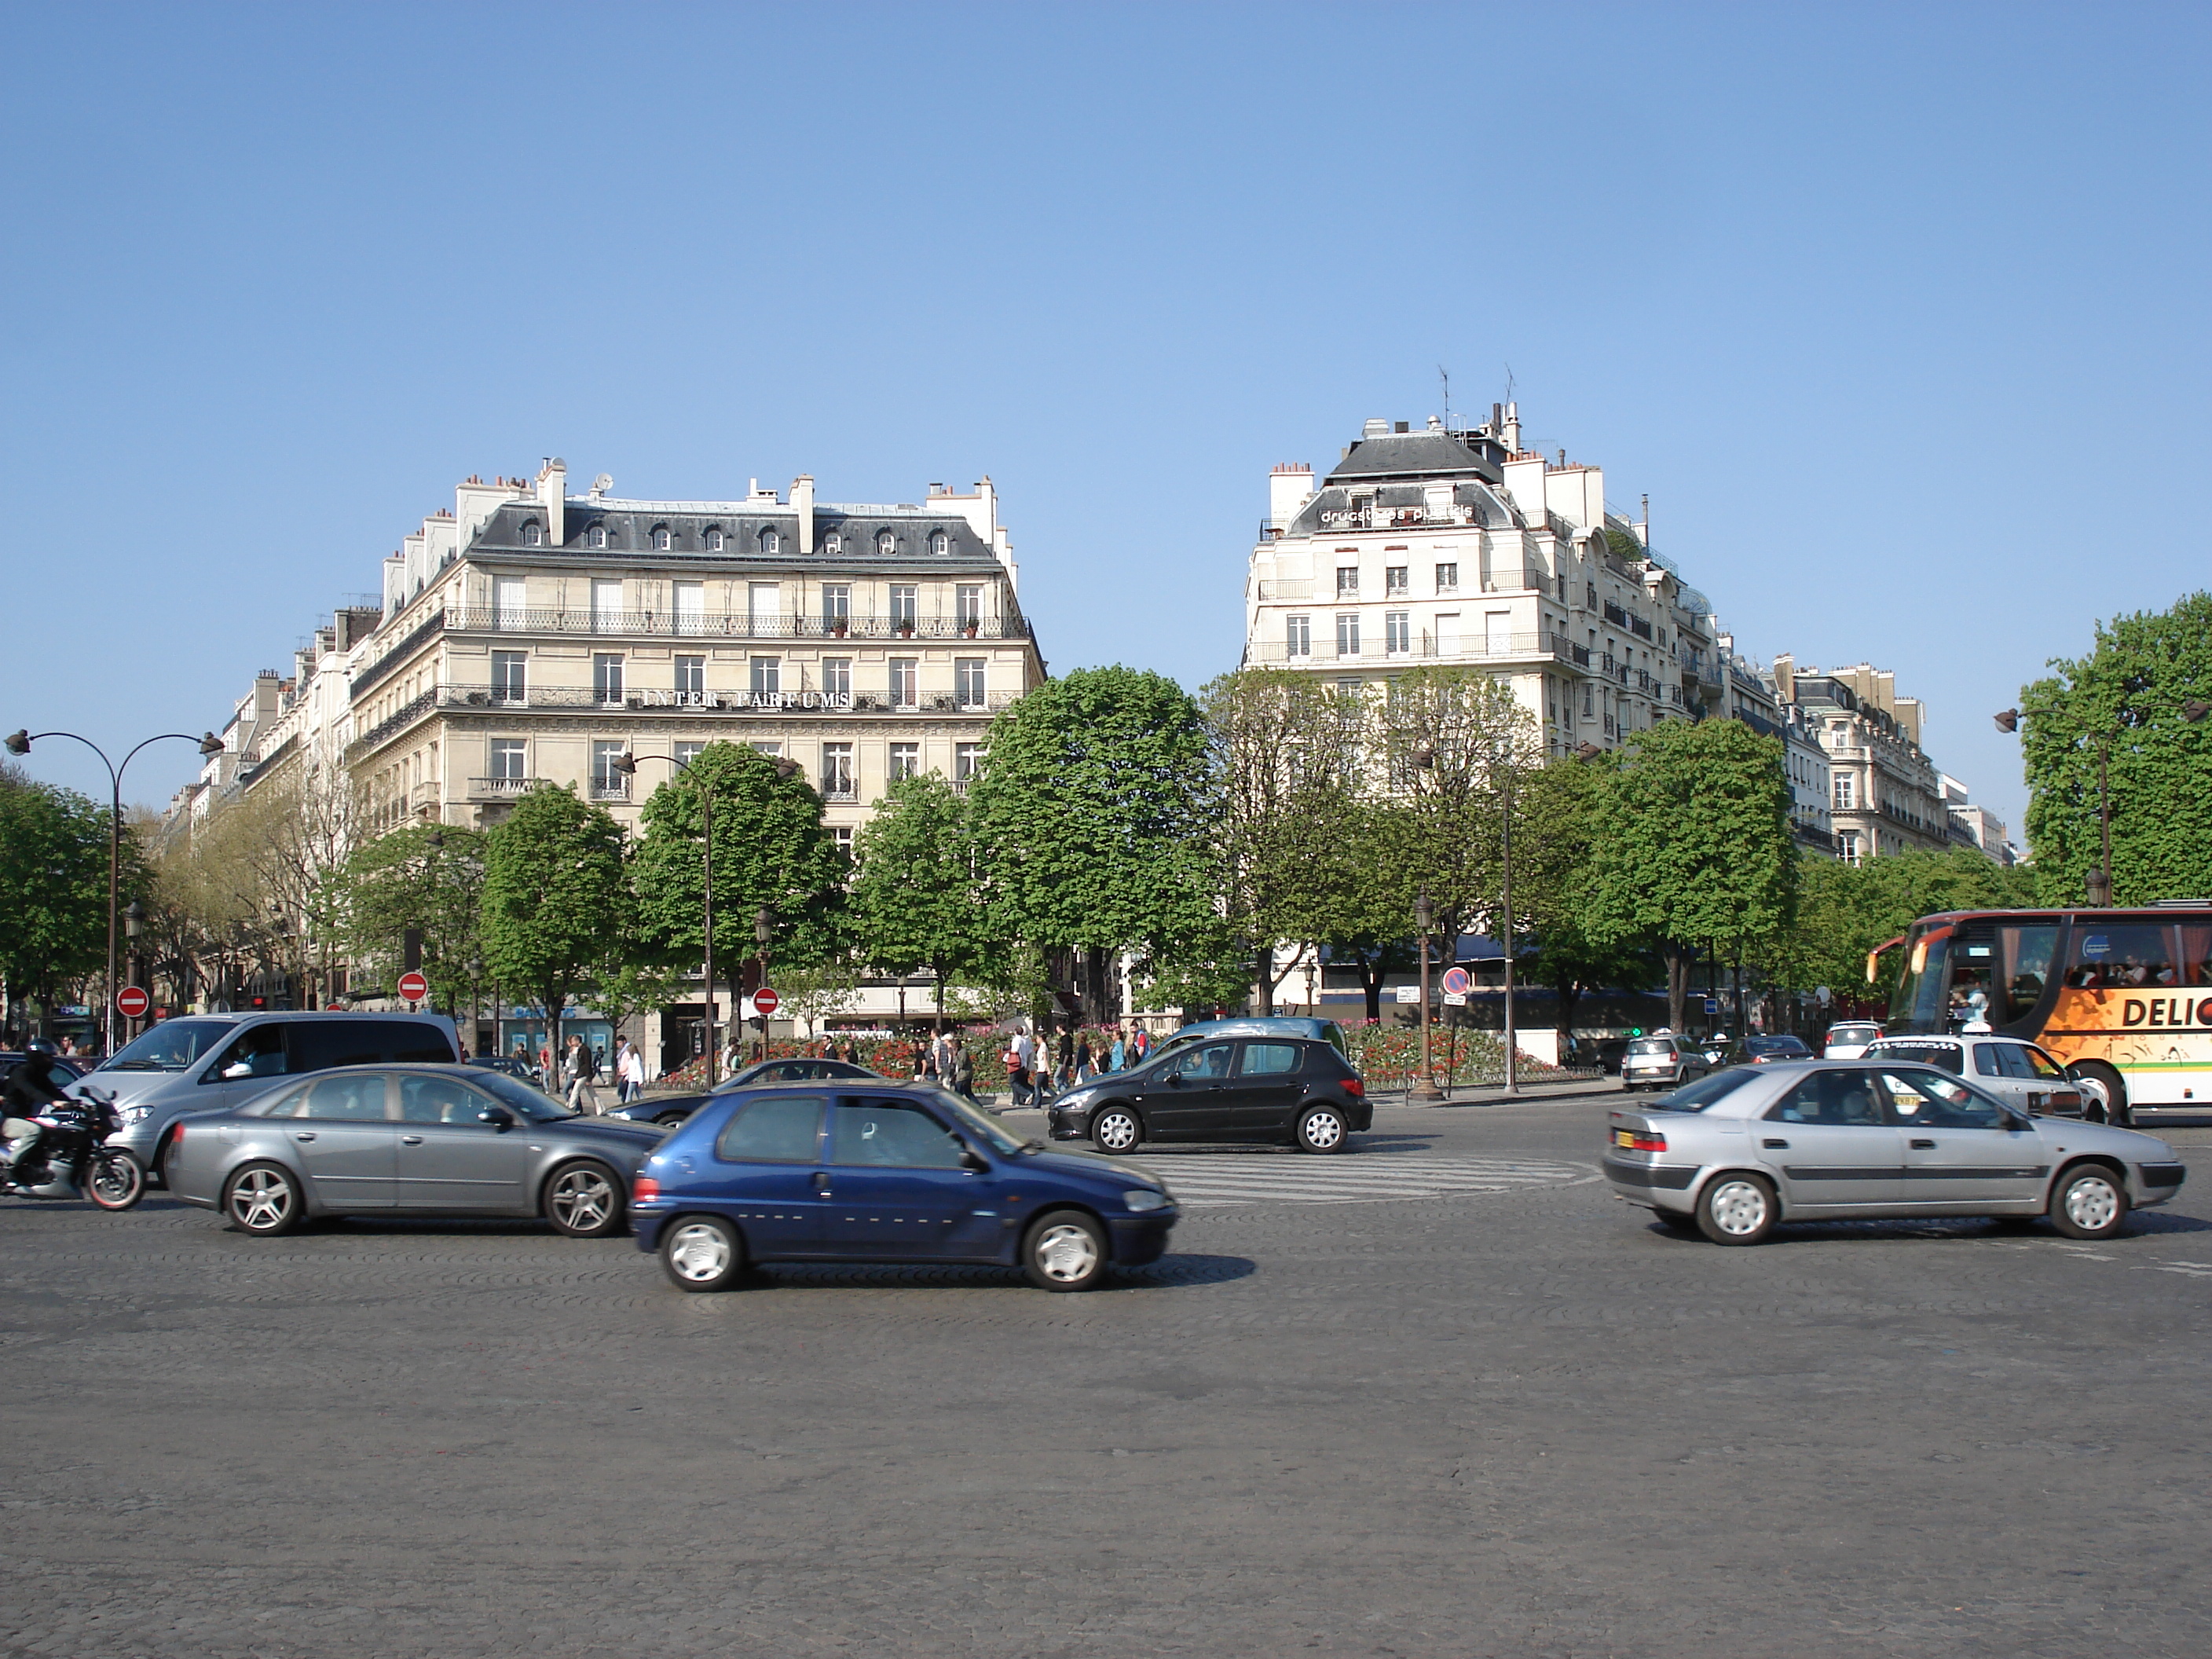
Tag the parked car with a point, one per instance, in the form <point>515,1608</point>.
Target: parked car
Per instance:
<point>1847,1039</point>
<point>66,1072</point>
<point>408,1140</point>
<point>1802,1140</point>
<point>668,1110</point>
<point>2016,1071</point>
<point>842,1170</point>
<point>1660,1062</point>
<point>510,1065</point>
<point>217,1062</point>
<point>1297,1090</point>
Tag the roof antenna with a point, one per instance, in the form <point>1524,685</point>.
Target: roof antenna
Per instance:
<point>1446,378</point>
<point>1509,383</point>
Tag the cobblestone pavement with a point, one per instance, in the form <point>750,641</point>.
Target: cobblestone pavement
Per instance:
<point>1487,1418</point>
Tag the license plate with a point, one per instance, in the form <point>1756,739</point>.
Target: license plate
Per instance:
<point>1623,1137</point>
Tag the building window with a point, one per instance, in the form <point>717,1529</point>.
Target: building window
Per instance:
<point>688,752</point>
<point>768,676</point>
<point>1297,636</point>
<point>1846,792</point>
<point>507,609</point>
<point>1447,579</point>
<point>1847,846</point>
<point>596,536</point>
<point>606,606</point>
<point>770,542</point>
<point>532,534</point>
<point>607,680</point>
<point>903,683</point>
<point>1348,687</point>
<point>1347,581</point>
<point>968,603</point>
<point>836,605</point>
<point>607,778</point>
<point>690,606</point>
<point>773,750</point>
<point>967,681</point>
<point>691,678</point>
<point>938,543</point>
<point>1397,631</point>
<point>906,760</point>
<point>886,543</point>
<point>843,834</point>
<point>832,543</point>
<point>510,675</point>
<point>837,678</point>
<point>903,608</point>
<point>508,759</point>
<point>964,757</point>
<point>1347,635</point>
<point>662,541</point>
<point>714,539</point>
<point>1394,581</point>
<point>837,771</point>
<point>1586,702</point>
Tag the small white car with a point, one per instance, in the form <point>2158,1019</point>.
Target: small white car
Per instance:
<point>1847,1039</point>
<point>2017,1072</point>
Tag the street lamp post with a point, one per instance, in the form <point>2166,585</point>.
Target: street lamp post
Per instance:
<point>134,918</point>
<point>626,763</point>
<point>20,742</point>
<point>1424,1088</point>
<point>2096,886</point>
<point>1512,1074</point>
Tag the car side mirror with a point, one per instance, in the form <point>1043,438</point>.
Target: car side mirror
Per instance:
<point>498,1116</point>
<point>242,1068</point>
<point>972,1159</point>
<point>1173,1080</point>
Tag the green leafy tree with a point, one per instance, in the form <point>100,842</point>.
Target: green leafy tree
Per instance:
<point>1844,911</point>
<point>914,896</point>
<point>419,877</point>
<point>1094,810</point>
<point>2130,695</point>
<point>53,887</point>
<point>771,850</point>
<point>556,902</point>
<point>1695,847</point>
<point>1557,829</point>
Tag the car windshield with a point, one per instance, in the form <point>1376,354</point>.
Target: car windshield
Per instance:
<point>1853,1033</point>
<point>1700,1095</point>
<point>525,1101</point>
<point>1777,1045</point>
<point>1652,1046</point>
<point>172,1045</point>
<point>986,1129</point>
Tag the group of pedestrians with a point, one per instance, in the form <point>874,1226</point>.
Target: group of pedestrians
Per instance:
<point>944,1060</point>
<point>1037,1071</point>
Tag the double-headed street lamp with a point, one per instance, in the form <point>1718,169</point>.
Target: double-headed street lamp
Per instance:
<point>2096,886</point>
<point>20,742</point>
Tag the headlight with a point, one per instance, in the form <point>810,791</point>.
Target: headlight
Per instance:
<point>136,1113</point>
<point>1076,1100</point>
<point>1144,1198</point>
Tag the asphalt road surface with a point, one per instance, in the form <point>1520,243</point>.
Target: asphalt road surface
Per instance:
<point>1441,1395</point>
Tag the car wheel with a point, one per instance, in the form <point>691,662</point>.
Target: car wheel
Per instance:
<point>1116,1130</point>
<point>1064,1250</point>
<point>2090,1202</point>
<point>263,1199</point>
<point>1736,1209</point>
<point>702,1253</point>
<point>584,1200</point>
<point>2115,1109</point>
<point>1322,1130</point>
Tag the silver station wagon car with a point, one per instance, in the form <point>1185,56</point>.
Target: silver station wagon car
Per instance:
<point>1830,1140</point>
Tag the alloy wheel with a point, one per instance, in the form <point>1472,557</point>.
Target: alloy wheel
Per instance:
<point>261,1200</point>
<point>582,1200</point>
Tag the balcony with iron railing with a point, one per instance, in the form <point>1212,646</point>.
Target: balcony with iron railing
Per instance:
<point>500,788</point>
<point>1424,645</point>
<point>728,625</point>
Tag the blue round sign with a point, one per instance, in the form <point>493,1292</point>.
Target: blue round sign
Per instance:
<point>1456,982</point>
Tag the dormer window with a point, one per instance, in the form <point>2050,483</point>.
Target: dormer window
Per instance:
<point>886,543</point>
<point>937,542</point>
<point>834,543</point>
<point>662,541</point>
<point>714,539</point>
<point>596,536</point>
<point>534,534</point>
<point>769,542</point>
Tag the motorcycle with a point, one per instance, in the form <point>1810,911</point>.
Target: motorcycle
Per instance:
<point>71,1160</point>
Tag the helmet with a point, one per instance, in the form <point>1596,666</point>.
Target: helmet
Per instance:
<point>40,1046</point>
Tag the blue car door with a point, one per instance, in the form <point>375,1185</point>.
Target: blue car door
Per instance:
<point>767,1176</point>
<point>900,1188</point>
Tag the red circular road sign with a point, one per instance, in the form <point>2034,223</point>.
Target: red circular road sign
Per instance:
<point>1455,981</point>
<point>765,1002</point>
<point>132,1002</point>
<point>414,988</point>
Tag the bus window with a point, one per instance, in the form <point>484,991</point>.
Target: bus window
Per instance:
<point>1918,1002</point>
<point>2027,948</point>
<point>2195,953</point>
<point>2119,956</point>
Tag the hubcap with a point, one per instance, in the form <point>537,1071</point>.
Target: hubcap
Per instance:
<point>1117,1130</point>
<point>1066,1253</point>
<point>582,1199</point>
<point>1739,1208</point>
<point>2092,1203</point>
<point>260,1198</point>
<point>1324,1129</point>
<point>699,1253</point>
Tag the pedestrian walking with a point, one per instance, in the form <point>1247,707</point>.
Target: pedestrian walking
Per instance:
<point>1064,1074</point>
<point>1141,1044</point>
<point>1118,1055</point>
<point>1019,1053</point>
<point>1083,1072</point>
<point>629,1071</point>
<point>964,1072</point>
<point>582,1072</point>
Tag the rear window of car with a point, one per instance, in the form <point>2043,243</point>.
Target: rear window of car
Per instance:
<point>1698,1096</point>
<point>1853,1033</point>
<point>1651,1046</point>
<point>772,1130</point>
<point>1945,1054</point>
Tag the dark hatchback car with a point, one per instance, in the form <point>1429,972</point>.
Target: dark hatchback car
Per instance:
<point>1767,1051</point>
<point>1300,1092</point>
<point>902,1173</point>
<point>668,1110</point>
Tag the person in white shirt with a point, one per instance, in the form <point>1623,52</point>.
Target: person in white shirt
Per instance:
<point>629,1070</point>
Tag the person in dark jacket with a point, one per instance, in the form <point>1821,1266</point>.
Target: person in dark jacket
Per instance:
<point>31,1089</point>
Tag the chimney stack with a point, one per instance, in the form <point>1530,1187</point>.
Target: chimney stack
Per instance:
<point>802,503</point>
<point>553,497</point>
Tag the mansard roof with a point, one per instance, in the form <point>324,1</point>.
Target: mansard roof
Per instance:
<point>1428,456</point>
<point>630,527</point>
<point>1359,505</point>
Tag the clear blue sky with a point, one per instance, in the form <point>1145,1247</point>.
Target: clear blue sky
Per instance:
<point>1898,314</point>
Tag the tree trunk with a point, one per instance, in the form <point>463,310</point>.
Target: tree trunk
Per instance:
<point>938,968</point>
<point>1263,962</point>
<point>1569,991</point>
<point>1680,960</point>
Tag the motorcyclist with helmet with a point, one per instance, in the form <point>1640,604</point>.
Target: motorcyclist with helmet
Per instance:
<point>31,1088</point>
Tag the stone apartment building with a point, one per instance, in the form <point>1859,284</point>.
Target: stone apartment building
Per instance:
<point>1885,794</point>
<point>1457,546</point>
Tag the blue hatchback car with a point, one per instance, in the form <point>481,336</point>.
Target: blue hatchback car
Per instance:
<point>840,1171</point>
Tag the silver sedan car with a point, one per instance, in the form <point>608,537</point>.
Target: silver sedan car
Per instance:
<point>386,1141</point>
<point>1840,1140</point>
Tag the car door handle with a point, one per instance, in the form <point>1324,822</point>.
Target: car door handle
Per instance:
<point>1924,1144</point>
<point>821,1185</point>
<point>411,1140</point>
<point>304,1135</point>
<point>1778,1145</point>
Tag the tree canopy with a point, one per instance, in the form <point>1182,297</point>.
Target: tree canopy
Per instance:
<point>916,893</point>
<point>424,877</point>
<point>557,907</point>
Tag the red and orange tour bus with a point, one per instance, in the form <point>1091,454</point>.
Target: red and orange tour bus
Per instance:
<point>2124,998</point>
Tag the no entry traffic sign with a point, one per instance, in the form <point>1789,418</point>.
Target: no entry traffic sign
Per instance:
<point>132,1002</point>
<point>765,1002</point>
<point>414,988</point>
<point>1455,981</point>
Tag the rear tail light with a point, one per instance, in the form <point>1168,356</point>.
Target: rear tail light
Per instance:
<point>1640,1140</point>
<point>644,1186</point>
<point>1355,1088</point>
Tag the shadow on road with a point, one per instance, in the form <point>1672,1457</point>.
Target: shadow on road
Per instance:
<point>1171,1272</point>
